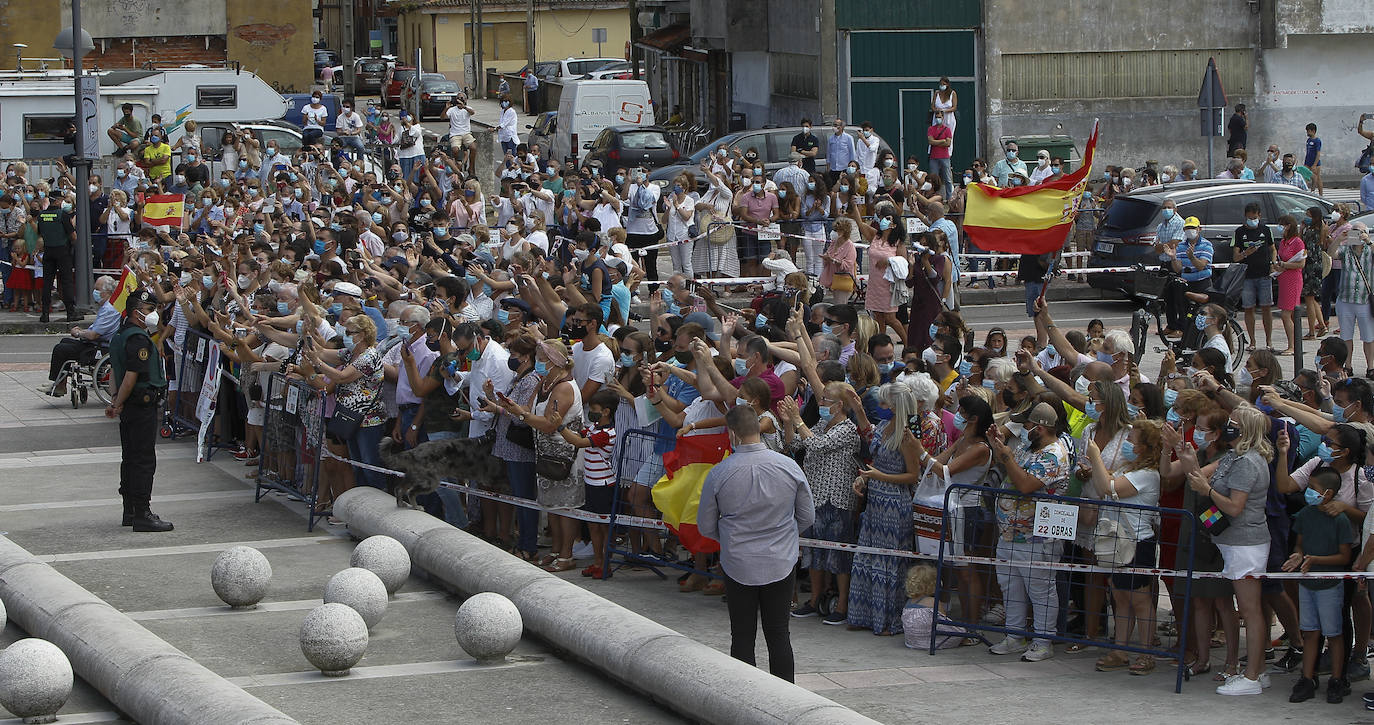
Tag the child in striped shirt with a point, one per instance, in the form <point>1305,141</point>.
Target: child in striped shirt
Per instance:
<point>598,467</point>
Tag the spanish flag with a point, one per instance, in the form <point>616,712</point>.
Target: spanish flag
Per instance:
<point>164,210</point>
<point>127,284</point>
<point>678,493</point>
<point>1027,219</point>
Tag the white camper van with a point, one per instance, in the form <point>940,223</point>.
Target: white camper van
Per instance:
<point>588,106</point>
<point>35,106</point>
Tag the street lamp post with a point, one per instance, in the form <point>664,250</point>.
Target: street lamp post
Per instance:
<point>74,42</point>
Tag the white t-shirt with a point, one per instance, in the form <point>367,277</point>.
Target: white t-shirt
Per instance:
<point>595,364</point>
<point>534,205</point>
<point>623,252</point>
<point>505,130</point>
<point>315,117</point>
<point>372,243</point>
<point>539,239</point>
<point>1218,343</point>
<point>414,150</point>
<point>677,226</point>
<point>350,124</point>
<point>607,215</point>
<point>459,121</point>
<point>1146,482</point>
<point>639,209</point>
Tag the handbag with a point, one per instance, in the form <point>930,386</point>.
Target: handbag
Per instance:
<point>521,435</point>
<point>344,425</point>
<point>1213,521</point>
<point>842,282</point>
<point>552,467</point>
<point>1368,289</point>
<point>723,231</point>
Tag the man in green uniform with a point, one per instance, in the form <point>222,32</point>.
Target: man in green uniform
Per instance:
<point>142,385</point>
<point>57,228</point>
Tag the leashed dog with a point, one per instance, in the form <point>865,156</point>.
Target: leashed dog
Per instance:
<point>425,464</point>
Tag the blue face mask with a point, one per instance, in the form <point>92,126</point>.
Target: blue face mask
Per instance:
<point>1174,418</point>
<point>782,193</point>
<point>1106,357</point>
<point>1312,496</point>
<point>1252,223</point>
<point>1199,439</point>
<point>810,186</point>
<point>1132,410</point>
<point>319,246</point>
<point>441,232</point>
<point>933,330</point>
<point>826,414</point>
<point>760,321</point>
<point>503,316</point>
<point>1201,322</point>
<point>884,224</point>
<point>336,309</point>
<point>965,368</point>
<point>960,421</point>
<point>1168,214</point>
<point>1127,451</point>
<point>257,228</point>
<point>376,217</point>
<point>348,341</point>
<point>224,183</point>
<point>825,327</point>
<point>207,281</point>
<point>471,280</point>
<point>619,178</point>
<point>1324,453</point>
<point>1170,395</point>
<point>741,367</point>
<point>885,368</point>
<point>989,383</point>
<point>627,360</point>
<point>1091,411</point>
<point>1338,413</point>
<point>540,368</point>
<point>283,309</point>
<point>741,402</point>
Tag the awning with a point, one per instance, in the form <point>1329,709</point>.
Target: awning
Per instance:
<point>667,40</point>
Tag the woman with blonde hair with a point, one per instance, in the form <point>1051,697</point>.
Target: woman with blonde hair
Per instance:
<point>876,595</point>
<point>1135,480</point>
<point>839,265</point>
<point>466,209</point>
<point>1237,489</point>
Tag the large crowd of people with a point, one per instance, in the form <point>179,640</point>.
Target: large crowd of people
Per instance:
<point>431,308</point>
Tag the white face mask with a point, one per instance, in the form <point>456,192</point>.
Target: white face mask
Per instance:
<point>150,320</point>
<point>1190,234</point>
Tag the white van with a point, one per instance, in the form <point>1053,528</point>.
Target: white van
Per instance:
<point>586,107</point>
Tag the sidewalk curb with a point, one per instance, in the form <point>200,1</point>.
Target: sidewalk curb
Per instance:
<point>677,671</point>
<point>144,676</point>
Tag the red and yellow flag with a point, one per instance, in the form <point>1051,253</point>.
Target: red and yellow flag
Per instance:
<point>127,283</point>
<point>1027,219</point>
<point>678,493</point>
<point>164,210</point>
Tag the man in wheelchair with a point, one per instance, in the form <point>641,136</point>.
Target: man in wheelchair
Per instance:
<point>1191,259</point>
<point>83,346</point>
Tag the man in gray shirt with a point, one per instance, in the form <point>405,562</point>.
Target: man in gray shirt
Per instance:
<point>755,503</point>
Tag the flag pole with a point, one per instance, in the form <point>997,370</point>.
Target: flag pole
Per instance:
<point>1077,209</point>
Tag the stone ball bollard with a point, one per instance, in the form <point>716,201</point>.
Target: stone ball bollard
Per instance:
<point>2,614</point>
<point>361,590</point>
<point>488,626</point>
<point>240,576</point>
<point>333,638</point>
<point>385,557</point>
<point>35,680</point>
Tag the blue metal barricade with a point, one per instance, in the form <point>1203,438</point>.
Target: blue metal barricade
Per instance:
<point>292,443</point>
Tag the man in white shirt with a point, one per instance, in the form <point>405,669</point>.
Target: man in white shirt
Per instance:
<point>641,218</point>
<point>1042,169</point>
<point>415,360</point>
<point>316,117</point>
<point>460,137</point>
<point>490,364</point>
<point>350,130</point>
<point>505,129</point>
<point>867,154</point>
<point>593,362</point>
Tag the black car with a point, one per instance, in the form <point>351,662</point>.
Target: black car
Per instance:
<point>435,92</point>
<point>630,146</point>
<point>1126,234</point>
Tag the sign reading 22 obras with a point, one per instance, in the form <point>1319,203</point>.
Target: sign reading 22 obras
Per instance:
<point>1056,521</point>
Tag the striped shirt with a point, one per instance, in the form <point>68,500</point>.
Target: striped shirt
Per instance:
<point>597,466</point>
<point>1356,268</point>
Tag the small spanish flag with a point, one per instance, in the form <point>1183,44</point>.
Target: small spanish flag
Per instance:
<point>1027,219</point>
<point>127,284</point>
<point>164,210</point>
<point>678,493</point>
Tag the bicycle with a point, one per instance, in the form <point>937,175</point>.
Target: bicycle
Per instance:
<point>1149,288</point>
<point>91,373</point>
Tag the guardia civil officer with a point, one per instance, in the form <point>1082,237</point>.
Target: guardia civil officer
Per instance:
<point>142,386</point>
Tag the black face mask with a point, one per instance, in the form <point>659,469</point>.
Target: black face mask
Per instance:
<point>683,357</point>
<point>1008,398</point>
<point>432,344</point>
<point>514,364</point>
<point>575,332</point>
<point>593,417</point>
<point>662,345</point>
<point>1230,433</point>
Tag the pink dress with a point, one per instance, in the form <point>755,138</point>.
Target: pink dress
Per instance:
<point>1290,280</point>
<point>879,295</point>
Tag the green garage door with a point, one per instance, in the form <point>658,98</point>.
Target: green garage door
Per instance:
<point>892,75</point>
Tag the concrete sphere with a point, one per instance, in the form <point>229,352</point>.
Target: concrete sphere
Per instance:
<point>333,638</point>
<point>488,626</point>
<point>35,680</point>
<point>385,557</point>
<point>2,614</point>
<point>360,589</point>
<point>240,576</point>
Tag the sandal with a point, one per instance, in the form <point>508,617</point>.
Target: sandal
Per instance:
<point>1112,662</point>
<point>1226,673</point>
<point>1143,665</point>
<point>548,559</point>
<point>1192,669</point>
<point>561,564</point>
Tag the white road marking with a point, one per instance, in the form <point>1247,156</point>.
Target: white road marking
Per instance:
<point>110,502</point>
<point>287,606</point>
<point>366,673</point>
<point>179,550</point>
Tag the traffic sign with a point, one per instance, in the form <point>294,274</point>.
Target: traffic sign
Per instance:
<point>1211,95</point>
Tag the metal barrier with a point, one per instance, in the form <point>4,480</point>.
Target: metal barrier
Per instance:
<point>1038,567</point>
<point>637,451</point>
<point>190,363</point>
<point>292,443</point>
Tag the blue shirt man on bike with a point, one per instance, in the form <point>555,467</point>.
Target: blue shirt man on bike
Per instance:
<point>1190,256</point>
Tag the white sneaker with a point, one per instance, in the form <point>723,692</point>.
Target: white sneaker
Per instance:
<point>1241,685</point>
<point>583,550</point>
<point>1264,681</point>
<point>996,615</point>
<point>1009,646</point>
<point>1040,649</point>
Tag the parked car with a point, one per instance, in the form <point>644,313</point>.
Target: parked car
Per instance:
<point>542,131</point>
<point>407,99</point>
<point>369,74</point>
<point>287,136</point>
<point>324,59</point>
<point>628,146</point>
<point>1127,231</point>
<point>396,77</point>
<point>435,93</point>
<point>774,146</point>
<point>571,68</point>
<point>298,101</point>
<point>621,70</point>
<point>544,69</point>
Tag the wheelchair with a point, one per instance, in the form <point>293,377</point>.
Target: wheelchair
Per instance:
<point>1149,291</point>
<point>91,373</point>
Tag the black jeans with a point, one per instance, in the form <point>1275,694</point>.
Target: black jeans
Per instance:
<point>138,424</point>
<point>1176,306</point>
<point>769,603</point>
<point>70,348</point>
<point>57,267</point>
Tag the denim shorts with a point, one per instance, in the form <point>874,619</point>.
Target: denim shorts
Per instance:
<point>1257,292</point>
<point>1321,609</point>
